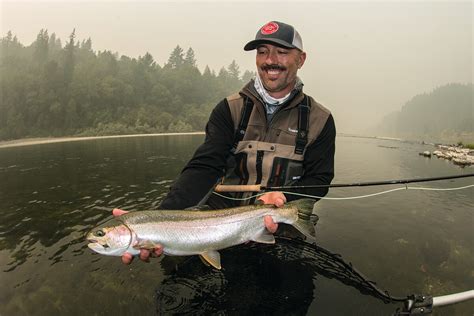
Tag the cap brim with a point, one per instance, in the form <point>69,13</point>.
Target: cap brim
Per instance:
<point>274,41</point>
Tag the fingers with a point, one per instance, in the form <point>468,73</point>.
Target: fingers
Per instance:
<point>118,212</point>
<point>276,198</point>
<point>144,255</point>
<point>270,224</point>
<point>158,251</point>
<point>279,202</point>
<point>127,258</point>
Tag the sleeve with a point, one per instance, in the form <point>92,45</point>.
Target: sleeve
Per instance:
<point>208,163</point>
<point>318,163</point>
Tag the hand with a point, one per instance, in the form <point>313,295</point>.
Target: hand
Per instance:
<point>144,253</point>
<point>276,198</point>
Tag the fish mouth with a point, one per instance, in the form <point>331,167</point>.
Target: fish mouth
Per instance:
<point>96,245</point>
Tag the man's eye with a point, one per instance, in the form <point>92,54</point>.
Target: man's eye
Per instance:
<point>284,52</point>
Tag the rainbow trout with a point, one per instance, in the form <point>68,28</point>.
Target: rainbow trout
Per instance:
<point>197,232</point>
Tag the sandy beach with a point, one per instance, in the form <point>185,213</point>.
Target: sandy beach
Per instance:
<point>49,140</point>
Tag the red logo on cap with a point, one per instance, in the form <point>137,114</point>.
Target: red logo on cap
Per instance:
<point>269,28</point>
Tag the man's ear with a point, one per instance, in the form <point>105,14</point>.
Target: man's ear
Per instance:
<point>301,59</point>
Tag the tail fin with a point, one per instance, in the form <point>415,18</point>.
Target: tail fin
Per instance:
<point>303,224</point>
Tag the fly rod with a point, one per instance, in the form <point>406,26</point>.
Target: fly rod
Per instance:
<point>259,187</point>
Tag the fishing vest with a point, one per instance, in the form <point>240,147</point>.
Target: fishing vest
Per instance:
<point>271,153</point>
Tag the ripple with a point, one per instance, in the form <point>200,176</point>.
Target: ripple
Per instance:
<point>115,201</point>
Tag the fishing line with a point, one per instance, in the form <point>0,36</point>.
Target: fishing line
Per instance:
<point>350,197</point>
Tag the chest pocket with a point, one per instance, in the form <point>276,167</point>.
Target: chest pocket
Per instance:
<point>267,163</point>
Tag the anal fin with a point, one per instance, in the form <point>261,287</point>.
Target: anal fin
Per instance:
<point>212,257</point>
<point>264,237</point>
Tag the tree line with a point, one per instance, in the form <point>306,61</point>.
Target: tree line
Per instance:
<point>444,113</point>
<point>51,89</point>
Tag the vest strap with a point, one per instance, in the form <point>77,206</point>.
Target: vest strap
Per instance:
<point>244,121</point>
<point>303,126</point>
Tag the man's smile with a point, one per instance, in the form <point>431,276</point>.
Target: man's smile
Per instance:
<point>273,72</point>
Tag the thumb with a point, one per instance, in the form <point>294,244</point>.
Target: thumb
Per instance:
<point>118,212</point>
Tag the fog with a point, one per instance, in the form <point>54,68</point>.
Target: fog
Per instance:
<point>365,59</point>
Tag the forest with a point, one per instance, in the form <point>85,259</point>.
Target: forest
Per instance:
<point>50,89</point>
<point>446,113</point>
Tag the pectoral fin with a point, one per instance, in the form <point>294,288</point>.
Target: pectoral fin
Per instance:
<point>213,258</point>
<point>264,237</point>
<point>145,244</point>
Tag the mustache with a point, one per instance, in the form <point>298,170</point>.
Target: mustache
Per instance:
<point>273,67</point>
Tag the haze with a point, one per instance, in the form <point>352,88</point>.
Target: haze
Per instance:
<point>365,59</point>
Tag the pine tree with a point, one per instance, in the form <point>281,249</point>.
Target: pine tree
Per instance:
<point>190,59</point>
<point>248,75</point>
<point>233,70</point>
<point>147,60</point>
<point>176,59</point>
<point>41,46</point>
<point>69,50</point>
<point>87,45</point>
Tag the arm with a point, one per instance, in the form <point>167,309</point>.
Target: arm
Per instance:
<point>208,163</point>
<point>318,163</point>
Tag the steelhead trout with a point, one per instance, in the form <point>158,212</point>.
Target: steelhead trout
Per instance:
<point>197,232</point>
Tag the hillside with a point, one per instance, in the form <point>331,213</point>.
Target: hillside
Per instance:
<point>444,115</point>
<point>49,89</point>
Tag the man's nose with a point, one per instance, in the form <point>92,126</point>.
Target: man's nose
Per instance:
<point>272,58</point>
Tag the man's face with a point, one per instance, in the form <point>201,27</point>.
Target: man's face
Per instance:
<point>277,68</point>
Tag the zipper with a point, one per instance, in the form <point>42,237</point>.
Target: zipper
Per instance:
<point>258,165</point>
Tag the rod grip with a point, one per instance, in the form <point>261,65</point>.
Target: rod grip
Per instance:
<point>238,188</point>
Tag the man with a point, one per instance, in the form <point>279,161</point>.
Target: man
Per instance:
<point>270,133</point>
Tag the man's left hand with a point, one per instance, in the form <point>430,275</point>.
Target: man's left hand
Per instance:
<point>276,198</point>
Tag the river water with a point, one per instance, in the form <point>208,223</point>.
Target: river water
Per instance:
<point>51,195</point>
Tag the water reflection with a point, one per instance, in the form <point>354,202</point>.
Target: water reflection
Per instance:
<point>48,190</point>
<point>51,195</point>
<point>257,279</point>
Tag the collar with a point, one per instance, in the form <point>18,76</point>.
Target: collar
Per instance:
<point>268,99</point>
<point>296,96</point>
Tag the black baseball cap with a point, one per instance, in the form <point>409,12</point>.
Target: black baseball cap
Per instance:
<point>277,33</point>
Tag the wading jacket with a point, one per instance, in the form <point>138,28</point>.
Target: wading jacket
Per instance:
<point>296,147</point>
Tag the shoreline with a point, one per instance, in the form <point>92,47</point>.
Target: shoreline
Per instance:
<point>372,137</point>
<point>51,140</point>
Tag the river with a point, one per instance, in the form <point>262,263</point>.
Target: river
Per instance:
<point>51,195</point>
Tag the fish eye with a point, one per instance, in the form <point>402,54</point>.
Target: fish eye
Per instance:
<point>99,233</point>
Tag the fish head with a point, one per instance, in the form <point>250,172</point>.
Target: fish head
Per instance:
<point>111,238</point>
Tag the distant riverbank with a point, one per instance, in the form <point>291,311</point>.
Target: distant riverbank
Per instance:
<point>49,140</point>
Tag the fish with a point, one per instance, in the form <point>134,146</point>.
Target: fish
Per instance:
<point>195,231</point>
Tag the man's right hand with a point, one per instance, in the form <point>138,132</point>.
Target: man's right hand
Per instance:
<point>145,254</point>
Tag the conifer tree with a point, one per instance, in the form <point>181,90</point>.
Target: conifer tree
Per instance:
<point>176,58</point>
<point>190,59</point>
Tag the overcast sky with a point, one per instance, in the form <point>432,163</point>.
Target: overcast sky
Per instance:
<point>365,59</point>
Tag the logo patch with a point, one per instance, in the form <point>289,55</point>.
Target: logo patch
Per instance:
<point>269,28</point>
<point>292,130</point>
